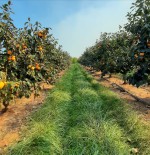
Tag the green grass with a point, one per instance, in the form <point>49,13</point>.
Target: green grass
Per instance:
<point>81,117</point>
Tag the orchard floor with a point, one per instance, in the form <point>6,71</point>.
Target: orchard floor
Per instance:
<point>141,92</point>
<point>12,122</point>
<point>82,117</point>
<point>79,116</point>
<point>14,119</point>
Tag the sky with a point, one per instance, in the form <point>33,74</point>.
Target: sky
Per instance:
<point>76,24</point>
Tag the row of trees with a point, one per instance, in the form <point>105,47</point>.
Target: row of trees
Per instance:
<point>126,51</point>
<point>28,56</point>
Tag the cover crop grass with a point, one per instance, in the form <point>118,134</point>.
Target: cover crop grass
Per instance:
<point>81,117</point>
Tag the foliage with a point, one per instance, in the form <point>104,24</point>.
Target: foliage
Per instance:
<point>110,54</point>
<point>126,51</point>
<point>139,25</point>
<point>28,56</point>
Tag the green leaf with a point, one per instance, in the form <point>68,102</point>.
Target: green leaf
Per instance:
<point>9,2</point>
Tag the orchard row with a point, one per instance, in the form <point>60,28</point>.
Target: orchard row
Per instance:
<point>28,56</point>
<point>126,51</point>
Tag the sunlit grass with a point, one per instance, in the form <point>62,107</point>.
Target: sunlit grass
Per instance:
<point>81,117</point>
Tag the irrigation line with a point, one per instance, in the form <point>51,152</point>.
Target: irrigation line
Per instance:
<point>124,90</point>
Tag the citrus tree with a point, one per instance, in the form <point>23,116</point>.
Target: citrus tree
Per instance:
<point>111,54</point>
<point>8,33</point>
<point>139,25</point>
<point>28,56</point>
<point>127,51</point>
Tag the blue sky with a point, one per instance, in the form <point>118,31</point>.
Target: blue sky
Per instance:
<point>75,23</point>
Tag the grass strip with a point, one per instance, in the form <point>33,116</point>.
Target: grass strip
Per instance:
<point>81,117</point>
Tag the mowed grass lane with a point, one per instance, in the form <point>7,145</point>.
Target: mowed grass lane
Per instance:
<point>80,117</point>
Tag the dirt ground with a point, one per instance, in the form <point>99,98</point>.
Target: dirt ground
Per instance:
<point>141,92</point>
<point>15,118</point>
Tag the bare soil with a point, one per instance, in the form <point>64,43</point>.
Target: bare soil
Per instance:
<point>12,121</point>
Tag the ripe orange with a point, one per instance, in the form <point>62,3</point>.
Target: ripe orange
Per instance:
<point>135,55</point>
<point>16,85</point>
<point>24,47</point>
<point>13,58</point>
<point>40,34</point>
<point>37,67</point>
<point>40,48</point>
<point>32,67</point>
<point>142,54</point>
<point>2,84</point>
<point>29,66</point>
<point>9,52</point>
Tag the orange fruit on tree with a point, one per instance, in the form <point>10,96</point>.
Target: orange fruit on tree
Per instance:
<point>40,48</point>
<point>9,52</point>
<point>38,67</point>
<point>135,55</point>
<point>16,85</point>
<point>142,54</point>
<point>29,66</point>
<point>24,46</point>
<point>13,58</point>
<point>32,67</point>
<point>2,84</point>
<point>40,34</point>
<point>9,58</point>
